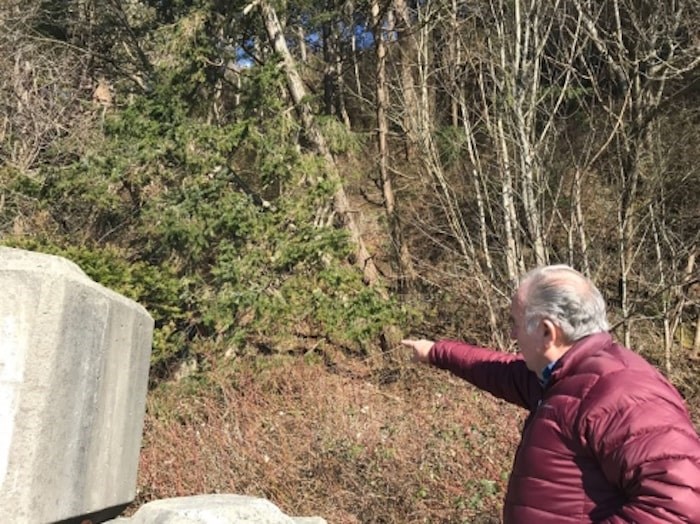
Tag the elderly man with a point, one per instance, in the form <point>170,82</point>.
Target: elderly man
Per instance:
<point>608,438</point>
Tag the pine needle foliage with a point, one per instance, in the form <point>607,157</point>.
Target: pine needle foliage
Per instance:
<point>215,229</point>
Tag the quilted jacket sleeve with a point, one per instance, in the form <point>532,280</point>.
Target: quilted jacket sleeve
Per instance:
<point>504,375</point>
<point>649,450</point>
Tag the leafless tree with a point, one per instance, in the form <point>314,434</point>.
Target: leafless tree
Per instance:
<point>644,47</point>
<point>43,89</point>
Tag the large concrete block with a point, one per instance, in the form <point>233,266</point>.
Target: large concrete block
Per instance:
<point>74,360</point>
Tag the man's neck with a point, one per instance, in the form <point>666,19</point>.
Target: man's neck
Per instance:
<point>554,352</point>
<point>550,357</point>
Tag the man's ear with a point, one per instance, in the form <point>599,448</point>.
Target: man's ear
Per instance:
<point>550,332</point>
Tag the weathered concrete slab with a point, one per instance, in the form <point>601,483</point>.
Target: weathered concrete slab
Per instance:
<point>214,509</point>
<point>74,360</point>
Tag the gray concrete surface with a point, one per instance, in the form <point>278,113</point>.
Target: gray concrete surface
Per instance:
<point>214,509</point>
<point>74,360</point>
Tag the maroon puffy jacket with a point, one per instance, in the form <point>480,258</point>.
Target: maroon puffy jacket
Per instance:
<point>607,440</point>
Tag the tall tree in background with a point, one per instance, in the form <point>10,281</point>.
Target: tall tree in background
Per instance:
<point>407,44</point>
<point>298,93</point>
<point>401,253</point>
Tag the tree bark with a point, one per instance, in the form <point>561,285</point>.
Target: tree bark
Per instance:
<point>696,342</point>
<point>401,253</point>
<point>318,143</point>
<point>408,51</point>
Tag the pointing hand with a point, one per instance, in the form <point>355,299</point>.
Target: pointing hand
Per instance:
<point>421,349</point>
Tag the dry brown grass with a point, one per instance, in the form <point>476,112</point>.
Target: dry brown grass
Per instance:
<point>343,439</point>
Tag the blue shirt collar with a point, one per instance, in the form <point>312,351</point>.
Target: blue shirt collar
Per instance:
<point>547,373</point>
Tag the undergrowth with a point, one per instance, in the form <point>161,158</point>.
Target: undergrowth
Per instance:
<point>350,440</point>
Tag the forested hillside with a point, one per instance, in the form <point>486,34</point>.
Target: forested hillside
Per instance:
<point>291,186</point>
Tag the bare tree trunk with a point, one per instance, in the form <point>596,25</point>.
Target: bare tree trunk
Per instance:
<point>579,223</point>
<point>403,258</point>
<point>696,341</point>
<point>301,39</point>
<point>333,83</point>
<point>623,258</point>
<point>481,211</point>
<point>429,148</point>
<point>328,68</point>
<point>476,179</point>
<point>298,93</point>
<point>348,12</point>
<point>526,68</point>
<point>677,313</point>
<point>455,61</point>
<point>514,261</point>
<point>408,50</point>
<point>525,46</point>
<point>665,291</point>
<point>340,107</point>
<point>629,178</point>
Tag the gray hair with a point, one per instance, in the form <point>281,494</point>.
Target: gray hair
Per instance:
<point>565,297</point>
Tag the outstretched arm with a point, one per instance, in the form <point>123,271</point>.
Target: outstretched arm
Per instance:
<point>504,375</point>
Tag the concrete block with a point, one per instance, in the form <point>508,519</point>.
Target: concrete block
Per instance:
<point>74,360</point>
<point>215,509</point>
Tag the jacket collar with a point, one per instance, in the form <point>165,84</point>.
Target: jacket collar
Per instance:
<point>581,349</point>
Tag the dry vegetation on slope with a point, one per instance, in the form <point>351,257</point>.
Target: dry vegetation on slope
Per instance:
<point>346,440</point>
<point>353,440</point>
